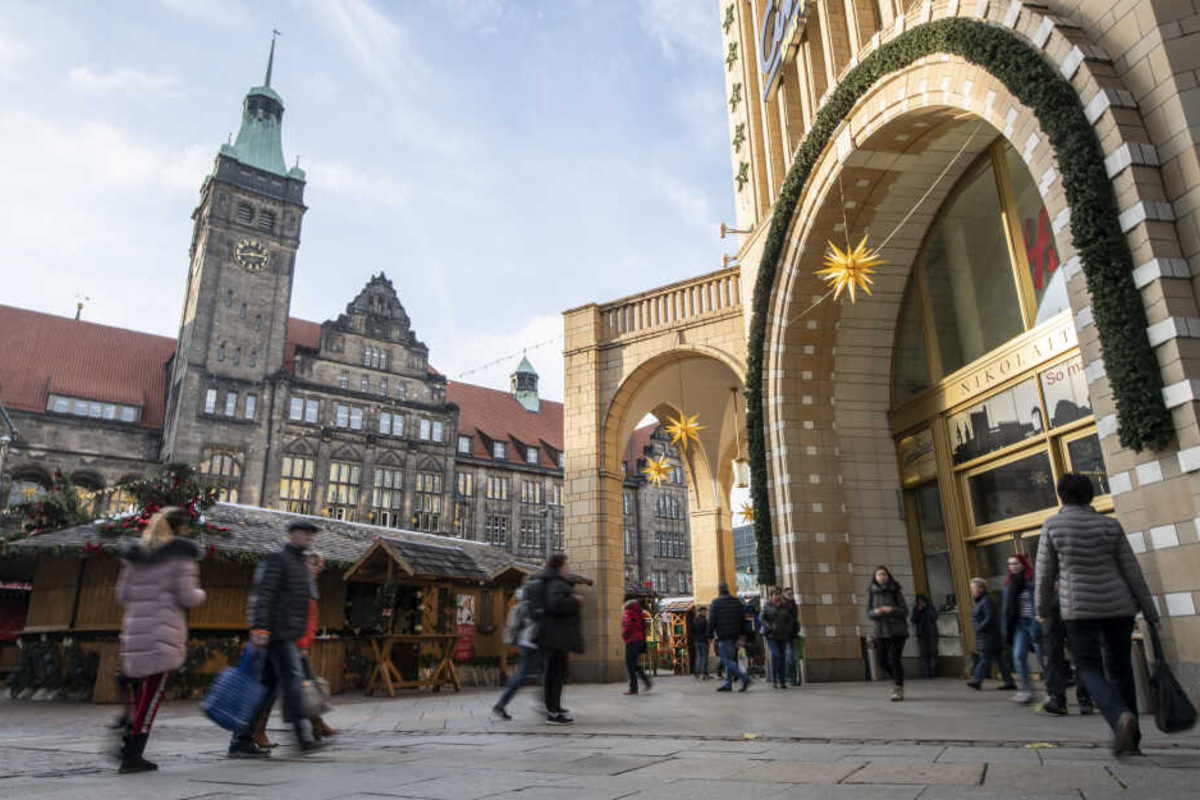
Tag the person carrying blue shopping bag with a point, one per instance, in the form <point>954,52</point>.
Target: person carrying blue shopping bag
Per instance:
<point>283,587</point>
<point>236,695</point>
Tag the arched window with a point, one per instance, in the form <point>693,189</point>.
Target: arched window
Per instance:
<point>266,220</point>
<point>27,485</point>
<point>987,271</point>
<point>245,214</point>
<point>222,469</point>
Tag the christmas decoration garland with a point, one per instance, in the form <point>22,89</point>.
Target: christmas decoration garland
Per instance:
<point>1132,368</point>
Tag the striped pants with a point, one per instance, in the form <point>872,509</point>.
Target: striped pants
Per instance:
<point>144,701</point>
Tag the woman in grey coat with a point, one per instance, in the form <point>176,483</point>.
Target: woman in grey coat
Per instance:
<point>1101,589</point>
<point>889,612</point>
<point>159,582</point>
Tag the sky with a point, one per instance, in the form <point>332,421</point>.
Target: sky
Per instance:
<point>500,160</point>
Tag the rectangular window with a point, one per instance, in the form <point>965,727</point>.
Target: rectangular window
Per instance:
<point>401,391</point>
<point>427,502</point>
<point>344,380</point>
<point>556,494</point>
<point>342,494</point>
<point>627,503</point>
<point>438,430</point>
<point>385,423</point>
<point>311,409</point>
<point>365,384</point>
<point>559,543</point>
<point>230,403</point>
<point>464,484</point>
<point>531,455</point>
<point>60,404</point>
<point>266,220</point>
<point>296,409</point>
<point>1016,488</point>
<point>464,521</point>
<point>295,484</point>
<point>531,492</point>
<point>251,406</point>
<point>342,419</point>
<point>560,459</point>
<point>497,488</point>
<point>499,451</point>
<point>128,414</point>
<point>356,418</point>
<point>210,401</point>
<point>387,497</point>
<point>426,429</point>
<point>244,214</point>
<point>110,411</point>
<point>496,530</point>
<point>383,386</point>
<point>628,542</point>
<point>683,584</point>
<point>81,406</point>
<point>464,445</point>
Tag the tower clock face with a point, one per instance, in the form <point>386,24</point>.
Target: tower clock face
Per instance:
<point>251,256</point>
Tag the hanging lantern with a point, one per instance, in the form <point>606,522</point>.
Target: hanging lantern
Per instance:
<point>657,470</point>
<point>741,473</point>
<point>684,428</point>
<point>850,269</point>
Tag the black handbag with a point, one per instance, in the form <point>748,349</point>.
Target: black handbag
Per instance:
<point>1175,712</point>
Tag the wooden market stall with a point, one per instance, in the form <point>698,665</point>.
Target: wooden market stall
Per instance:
<point>73,620</point>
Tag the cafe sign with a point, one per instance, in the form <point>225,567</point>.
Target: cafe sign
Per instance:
<point>783,22</point>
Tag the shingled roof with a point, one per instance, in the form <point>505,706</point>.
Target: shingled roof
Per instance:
<point>258,531</point>
<point>488,415</point>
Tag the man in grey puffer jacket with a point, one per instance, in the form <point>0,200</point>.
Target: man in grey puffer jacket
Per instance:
<point>1101,589</point>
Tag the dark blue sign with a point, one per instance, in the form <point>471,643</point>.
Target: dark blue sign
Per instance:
<point>780,21</point>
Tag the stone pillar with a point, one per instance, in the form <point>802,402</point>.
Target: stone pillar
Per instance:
<point>593,513</point>
<point>712,552</point>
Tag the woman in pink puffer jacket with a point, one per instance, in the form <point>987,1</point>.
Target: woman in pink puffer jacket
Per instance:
<point>159,582</point>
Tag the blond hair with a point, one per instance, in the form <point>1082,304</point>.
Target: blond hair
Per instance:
<point>163,527</point>
<point>317,558</point>
<point>979,581</point>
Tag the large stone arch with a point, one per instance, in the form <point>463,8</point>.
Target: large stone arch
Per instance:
<point>793,391</point>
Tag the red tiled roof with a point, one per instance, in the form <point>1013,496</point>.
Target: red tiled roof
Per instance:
<point>498,416</point>
<point>300,332</point>
<point>636,447</point>
<point>43,353</point>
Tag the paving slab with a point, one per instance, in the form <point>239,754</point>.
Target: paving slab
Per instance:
<point>714,767</point>
<point>715,790</point>
<point>1049,777</point>
<point>918,773</point>
<point>798,772</point>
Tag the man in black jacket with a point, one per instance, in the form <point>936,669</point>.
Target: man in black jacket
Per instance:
<point>701,642</point>
<point>283,586</point>
<point>727,622</point>
<point>557,608</point>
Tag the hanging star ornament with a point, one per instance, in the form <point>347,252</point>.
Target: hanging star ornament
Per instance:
<point>850,269</point>
<point>684,428</point>
<point>657,470</point>
<point>747,512</point>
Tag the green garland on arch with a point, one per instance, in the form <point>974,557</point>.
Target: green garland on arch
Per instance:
<point>1142,415</point>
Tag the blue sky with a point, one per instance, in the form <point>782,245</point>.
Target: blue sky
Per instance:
<point>500,160</point>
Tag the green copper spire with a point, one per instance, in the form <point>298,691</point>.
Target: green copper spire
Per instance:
<point>525,386</point>
<point>259,141</point>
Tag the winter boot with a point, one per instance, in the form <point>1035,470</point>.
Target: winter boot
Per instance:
<point>897,694</point>
<point>321,729</point>
<point>131,755</point>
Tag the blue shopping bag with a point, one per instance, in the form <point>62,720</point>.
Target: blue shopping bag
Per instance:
<point>236,694</point>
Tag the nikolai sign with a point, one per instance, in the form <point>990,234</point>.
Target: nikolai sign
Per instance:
<point>782,20</point>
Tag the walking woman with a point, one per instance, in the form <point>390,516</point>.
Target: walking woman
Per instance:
<point>1021,629</point>
<point>889,612</point>
<point>520,631</point>
<point>1100,588</point>
<point>633,632</point>
<point>159,582</point>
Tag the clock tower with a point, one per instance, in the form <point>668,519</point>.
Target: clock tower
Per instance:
<point>230,353</point>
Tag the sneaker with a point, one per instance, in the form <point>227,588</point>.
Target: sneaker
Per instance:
<point>897,694</point>
<point>1125,739</point>
<point>1053,708</point>
<point>725,687</point>
<point>1023,696</point>
<point>976,685</point>
<point>501,713</point>
<point>558,719</point>
<point>247,750</point>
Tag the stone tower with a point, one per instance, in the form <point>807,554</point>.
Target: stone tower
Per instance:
<point>235,316</point>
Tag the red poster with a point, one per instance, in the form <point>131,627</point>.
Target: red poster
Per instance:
<point>465,648</point>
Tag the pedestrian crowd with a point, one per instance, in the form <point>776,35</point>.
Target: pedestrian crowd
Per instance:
<point>1083,594</point>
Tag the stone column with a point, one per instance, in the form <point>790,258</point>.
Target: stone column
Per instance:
<point>712,552</point>
<point>593,513</point>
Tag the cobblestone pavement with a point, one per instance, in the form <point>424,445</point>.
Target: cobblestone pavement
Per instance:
<point>682,740</point>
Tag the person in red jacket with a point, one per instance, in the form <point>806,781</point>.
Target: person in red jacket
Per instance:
<point>316,563</point>
<point>633,631</point>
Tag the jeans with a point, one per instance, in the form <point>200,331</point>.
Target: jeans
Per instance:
<point>778,674</point>
<point>529,663</point>
<point>1054,664</point>
<point>1118,693</point>
<point>890,648</point>
<point>927,647</point>
<point>1028,635</point>
<point>702,649</point>
<point>634,669</point>
<point>552,680</point>
<point>727,650</point>
<point>283,673</point>
<point>989,656</point>
<point>789,661</point>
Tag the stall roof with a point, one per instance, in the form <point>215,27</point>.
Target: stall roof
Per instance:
<point>258,531</point>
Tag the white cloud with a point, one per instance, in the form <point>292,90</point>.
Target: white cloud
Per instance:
<point>359,185</point>
<point>472,351</point>
<point>11,51</point>
<point>122,80</point>
<point>691,203</point>
<point>691,26</point>
<point>225,13</point>
<point>374,41</point>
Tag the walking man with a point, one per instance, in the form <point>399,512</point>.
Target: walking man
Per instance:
<point>1100,588</point>
<point>988,639</point>
<point>778,627</point>
<point>559,632</point>
<point>727,622</point>
<point>283,587</point>
<point>789,645</point>
<point>701,642</point>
